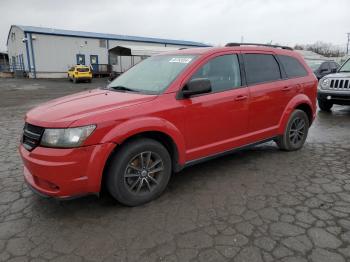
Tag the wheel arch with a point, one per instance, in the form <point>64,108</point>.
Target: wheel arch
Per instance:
<point>307,109</point>
<point>301,102</point>
<point>163,138</point>
<point>157,128</point>
<point>148,127</point>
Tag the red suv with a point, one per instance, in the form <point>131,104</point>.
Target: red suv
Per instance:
<point>167,112</point>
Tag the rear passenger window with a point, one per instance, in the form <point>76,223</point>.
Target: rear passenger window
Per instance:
<point>261,68</point>
<point>292,66</point>
<point>223,73</point>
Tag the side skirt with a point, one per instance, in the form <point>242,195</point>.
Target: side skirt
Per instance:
<point>227,152</point>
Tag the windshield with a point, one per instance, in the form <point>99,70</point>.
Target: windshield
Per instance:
<point>153,75</point>
<point>314,64</point>
<point>345,67</point>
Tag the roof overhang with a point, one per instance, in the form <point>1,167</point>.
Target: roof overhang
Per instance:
<point>139,50</point>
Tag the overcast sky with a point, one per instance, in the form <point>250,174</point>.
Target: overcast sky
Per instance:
<point>210,21</point>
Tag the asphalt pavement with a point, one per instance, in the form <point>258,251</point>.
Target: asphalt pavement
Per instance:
<point>259,204</point>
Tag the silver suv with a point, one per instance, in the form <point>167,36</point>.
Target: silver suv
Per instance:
<point>335,88</point>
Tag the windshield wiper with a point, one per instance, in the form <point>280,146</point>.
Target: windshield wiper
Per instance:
<point>123,88</point>
<point>344,71</point>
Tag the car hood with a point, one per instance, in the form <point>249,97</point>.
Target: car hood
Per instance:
<point>339,75</point>
<point>64,111</point>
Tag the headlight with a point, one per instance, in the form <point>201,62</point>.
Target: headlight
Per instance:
<point>325,82</point>
<point>66,137</point>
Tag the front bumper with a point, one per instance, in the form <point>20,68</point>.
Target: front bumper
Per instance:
<point>65,173</point>
<point>334,97</point>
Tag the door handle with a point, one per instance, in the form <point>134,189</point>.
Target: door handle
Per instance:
<point>287,88</point>
<point>241,97</point>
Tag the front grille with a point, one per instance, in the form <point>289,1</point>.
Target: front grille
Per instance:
<point>340,84</point>
<point>31,136</point>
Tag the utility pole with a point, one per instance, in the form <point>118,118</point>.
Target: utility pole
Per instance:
<point>347,45</point>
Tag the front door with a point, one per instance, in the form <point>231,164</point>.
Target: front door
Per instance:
<point>94,63</point>
<point>215,121</point>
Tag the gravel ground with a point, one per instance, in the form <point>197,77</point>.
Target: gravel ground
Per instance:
<point>256,205</point>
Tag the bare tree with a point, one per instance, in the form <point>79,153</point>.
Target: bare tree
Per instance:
<point>321,48</point>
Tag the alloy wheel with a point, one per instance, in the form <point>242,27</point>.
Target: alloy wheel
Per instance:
<point>297,130</point>
<point>143,173</point>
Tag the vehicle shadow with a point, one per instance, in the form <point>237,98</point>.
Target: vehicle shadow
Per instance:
<point>181,183</point>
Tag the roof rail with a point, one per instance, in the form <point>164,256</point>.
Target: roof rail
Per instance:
<point>274,46</point>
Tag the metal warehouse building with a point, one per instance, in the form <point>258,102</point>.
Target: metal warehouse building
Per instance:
<point>48,53</point>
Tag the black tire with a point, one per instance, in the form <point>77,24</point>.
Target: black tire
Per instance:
<point>325,105</point>
<point>75,80</point>
<point>295,133</point>
<point>125,175</point>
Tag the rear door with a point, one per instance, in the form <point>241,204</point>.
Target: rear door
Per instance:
<point>267,93</point>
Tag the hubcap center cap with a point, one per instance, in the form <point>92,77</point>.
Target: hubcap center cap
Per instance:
<point>144,173</point>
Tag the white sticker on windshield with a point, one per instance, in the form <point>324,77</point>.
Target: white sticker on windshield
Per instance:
<point>182,60</point>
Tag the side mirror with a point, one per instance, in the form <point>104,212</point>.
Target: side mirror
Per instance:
<point>196,87</point>
<point>334,70</point>
<point>325,70</point>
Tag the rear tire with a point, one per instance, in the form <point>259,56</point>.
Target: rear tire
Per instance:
<point>138,172</point>
<point>75,80</point>
<point>295,133</point>
<point>325,105</point>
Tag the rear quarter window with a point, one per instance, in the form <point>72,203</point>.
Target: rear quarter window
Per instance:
<point>292,66</point>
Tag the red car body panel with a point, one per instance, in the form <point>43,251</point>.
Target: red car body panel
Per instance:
<point>65,172</point>
<point>62,112</point>
<point>199,127</point>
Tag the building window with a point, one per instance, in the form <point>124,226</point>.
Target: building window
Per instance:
<point>103,43</point>
<point>80,59</point>
<point>13,36</point>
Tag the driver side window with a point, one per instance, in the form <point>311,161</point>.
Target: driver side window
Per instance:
<point>222,71</point>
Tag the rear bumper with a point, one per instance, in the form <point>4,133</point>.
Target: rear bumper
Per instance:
<point>65,173</point>
<point>83,78</point>
<point>339,98</point>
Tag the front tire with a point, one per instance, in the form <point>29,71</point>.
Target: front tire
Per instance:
<point>325,105</point>
<point>139,172</point>
<point>295,133</point>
